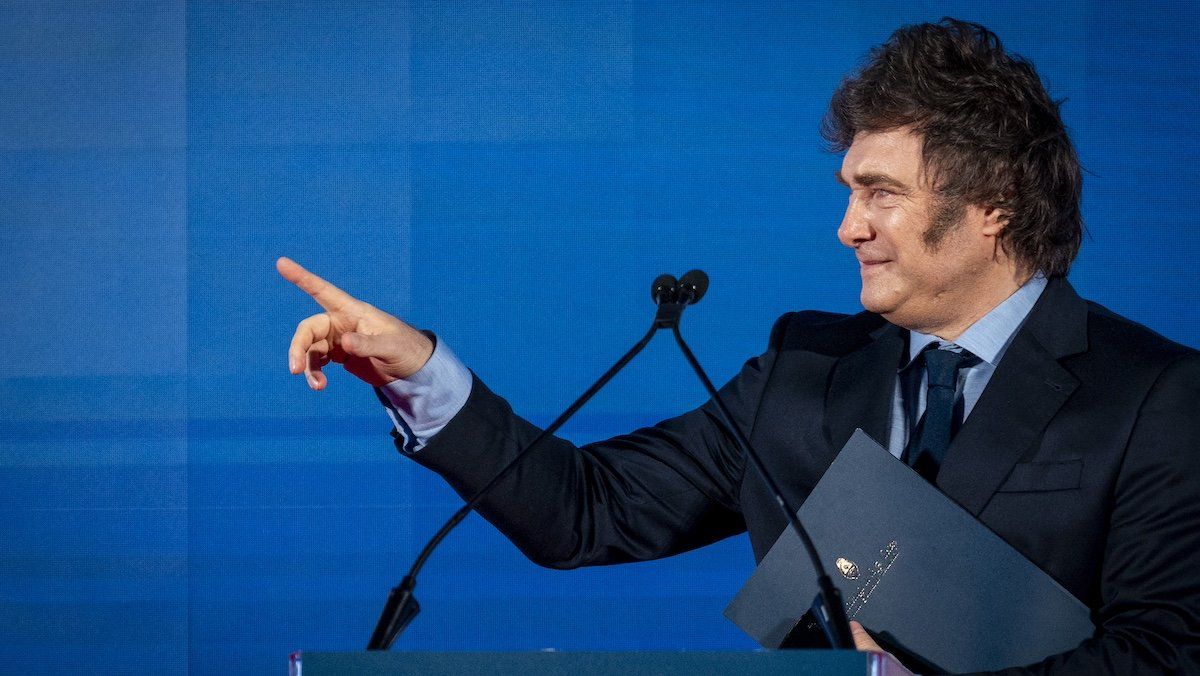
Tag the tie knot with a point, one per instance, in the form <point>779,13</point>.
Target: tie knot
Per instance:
<point>942,364</point>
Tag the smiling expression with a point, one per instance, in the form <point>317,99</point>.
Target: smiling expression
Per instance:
<point>939,287</point>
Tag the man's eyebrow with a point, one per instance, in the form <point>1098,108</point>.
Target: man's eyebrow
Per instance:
<point>870,180</point>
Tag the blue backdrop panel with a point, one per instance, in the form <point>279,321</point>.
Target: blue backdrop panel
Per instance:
<point>310,160</point>
<point>510,175</point>
<point>93,454</point>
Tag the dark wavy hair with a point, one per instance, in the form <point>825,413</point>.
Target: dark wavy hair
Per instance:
<point>992,135</point>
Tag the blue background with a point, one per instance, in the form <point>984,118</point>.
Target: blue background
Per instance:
<point>510,175</point>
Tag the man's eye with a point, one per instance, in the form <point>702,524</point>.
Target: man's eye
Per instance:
<point>883,195</point>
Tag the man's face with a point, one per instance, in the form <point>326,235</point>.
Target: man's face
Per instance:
<point>927,286</point>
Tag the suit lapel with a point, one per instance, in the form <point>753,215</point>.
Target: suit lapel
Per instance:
<point>1026,391</point>
<point>861,388</point>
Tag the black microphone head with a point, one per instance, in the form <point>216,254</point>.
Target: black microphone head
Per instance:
<point>663,289</point>
<point>692,286</point>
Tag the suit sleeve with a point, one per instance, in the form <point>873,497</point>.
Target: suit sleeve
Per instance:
<point>1149,617</point>
<point>652,493</point>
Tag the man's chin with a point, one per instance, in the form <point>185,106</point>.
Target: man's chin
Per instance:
<point>898,314</point>
<point>873,303</point>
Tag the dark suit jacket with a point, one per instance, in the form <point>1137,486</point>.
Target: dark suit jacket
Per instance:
<point>1083,453</point>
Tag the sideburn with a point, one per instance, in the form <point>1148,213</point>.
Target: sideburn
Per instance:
<point>946,215</point>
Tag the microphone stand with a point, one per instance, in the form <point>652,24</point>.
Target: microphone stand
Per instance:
<point>834,622</point>
<point>672,297</point>
<point>402,606</point>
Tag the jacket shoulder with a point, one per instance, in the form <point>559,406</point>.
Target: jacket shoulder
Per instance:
<point>1111,333</point>
<point>828,333</point>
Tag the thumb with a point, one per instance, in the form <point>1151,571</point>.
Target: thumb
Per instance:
<point>863,640</point>
<point>362,345</point>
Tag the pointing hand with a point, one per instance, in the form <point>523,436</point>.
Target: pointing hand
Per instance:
<point>371,344</point>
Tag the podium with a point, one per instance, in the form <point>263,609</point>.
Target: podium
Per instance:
<point>651,663</point>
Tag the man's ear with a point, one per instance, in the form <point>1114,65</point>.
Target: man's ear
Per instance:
<point>994,220</point>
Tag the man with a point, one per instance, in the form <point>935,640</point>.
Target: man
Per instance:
<point>1069,431</point>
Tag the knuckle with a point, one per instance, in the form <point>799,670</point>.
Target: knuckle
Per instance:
<point>314,321</point>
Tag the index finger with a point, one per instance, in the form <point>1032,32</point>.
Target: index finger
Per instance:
<point>327,295</point>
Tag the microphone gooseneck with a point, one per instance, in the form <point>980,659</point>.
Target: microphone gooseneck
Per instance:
<point>402,606</point>
<point>671,296</point>
<point>835,622</point>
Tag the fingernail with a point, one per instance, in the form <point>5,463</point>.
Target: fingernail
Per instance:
<point>292,364</point>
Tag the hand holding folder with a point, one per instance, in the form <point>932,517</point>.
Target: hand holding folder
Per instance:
<point>935,586</point>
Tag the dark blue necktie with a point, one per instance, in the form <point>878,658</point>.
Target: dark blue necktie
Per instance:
<point>934,431</point>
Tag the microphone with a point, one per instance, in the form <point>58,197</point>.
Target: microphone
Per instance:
<point>832,617</point>
<point>663,289</point>
<point>402,606</point>
<point>692,286</point>
<point>671,296</point>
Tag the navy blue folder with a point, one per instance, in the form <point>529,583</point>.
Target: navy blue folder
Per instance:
<point>915,569</point>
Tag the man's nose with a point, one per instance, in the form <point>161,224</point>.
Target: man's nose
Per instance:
<point>856,227</point>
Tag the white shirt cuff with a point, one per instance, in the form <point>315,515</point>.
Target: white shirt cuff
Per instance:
<point>425,402</point>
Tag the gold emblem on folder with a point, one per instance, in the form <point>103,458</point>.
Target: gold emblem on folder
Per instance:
<point>848,568</point>
<point>887,557</point>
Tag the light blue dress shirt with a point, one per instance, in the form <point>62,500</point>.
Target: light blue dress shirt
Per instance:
<point>987,338</point>
<point>424,403</point>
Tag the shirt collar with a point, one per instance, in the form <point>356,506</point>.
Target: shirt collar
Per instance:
<point>990,335</point>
